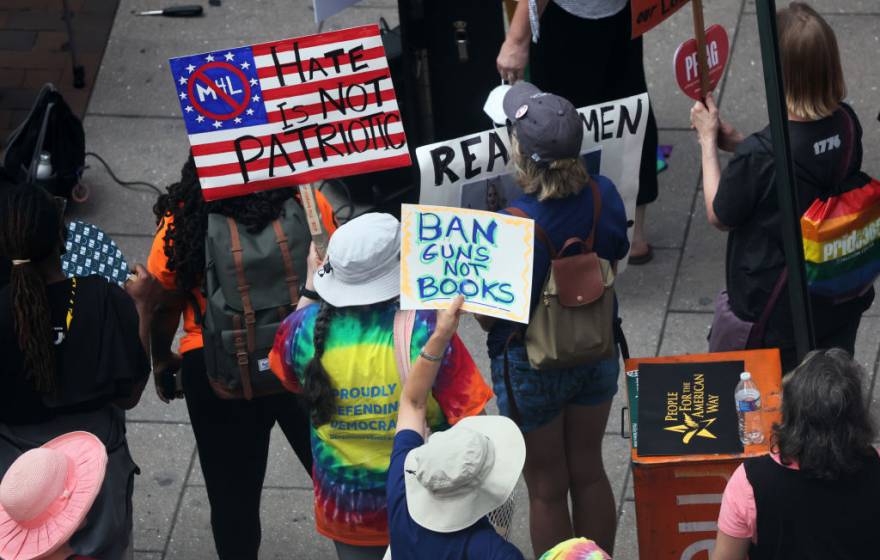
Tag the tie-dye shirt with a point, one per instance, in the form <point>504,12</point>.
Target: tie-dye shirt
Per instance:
<point>352,452</point>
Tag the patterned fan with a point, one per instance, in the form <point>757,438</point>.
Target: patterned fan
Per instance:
<point>91,251</point>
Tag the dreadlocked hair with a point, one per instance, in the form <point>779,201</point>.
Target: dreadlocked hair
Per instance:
<point>30,230</point>
<point>318,388</point>
<point>185,235</point>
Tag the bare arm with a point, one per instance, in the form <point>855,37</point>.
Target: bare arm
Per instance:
<point>314,262</point>
<point>414,401</point>
<point>166,318</point>
<point>730,548</point>
<point>704,118</point>
<point>514,54</point>
<point>143,289</point>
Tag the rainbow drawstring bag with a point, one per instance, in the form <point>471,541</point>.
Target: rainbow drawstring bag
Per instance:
<point>576,549</point>
<point>842,240</point>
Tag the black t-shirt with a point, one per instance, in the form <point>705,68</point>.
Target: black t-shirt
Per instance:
<point>100,359</point>
<point>825,152</point>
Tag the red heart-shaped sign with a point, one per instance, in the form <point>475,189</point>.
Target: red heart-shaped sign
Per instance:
<point>687,69</point>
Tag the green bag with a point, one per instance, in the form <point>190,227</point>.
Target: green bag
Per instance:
<point>252,283</point>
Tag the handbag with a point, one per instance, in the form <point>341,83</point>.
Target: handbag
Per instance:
<point>730,333</point>
<point>841,236</point>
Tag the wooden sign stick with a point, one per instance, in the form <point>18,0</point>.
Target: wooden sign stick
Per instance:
<point>700,35</point>
<point>313,217</point>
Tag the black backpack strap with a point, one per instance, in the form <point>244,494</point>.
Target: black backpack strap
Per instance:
<point>38,147</point>
<point>620,338</point>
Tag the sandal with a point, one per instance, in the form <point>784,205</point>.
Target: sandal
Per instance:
<point>644,258</point>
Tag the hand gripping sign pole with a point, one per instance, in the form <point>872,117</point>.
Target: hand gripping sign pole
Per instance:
<point>801,313</point>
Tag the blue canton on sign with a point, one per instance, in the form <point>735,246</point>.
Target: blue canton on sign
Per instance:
<point>219,90</point>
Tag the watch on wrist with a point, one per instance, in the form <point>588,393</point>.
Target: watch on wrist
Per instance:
<point>307,293</point>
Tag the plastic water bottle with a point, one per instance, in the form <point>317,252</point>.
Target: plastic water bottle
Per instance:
<point>44,166</point>
<point>748,408</point>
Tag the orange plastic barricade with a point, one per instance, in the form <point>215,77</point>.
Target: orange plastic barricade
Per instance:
<point>678,497</point>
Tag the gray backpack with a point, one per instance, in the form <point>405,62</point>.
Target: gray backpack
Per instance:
<point>252,283</point>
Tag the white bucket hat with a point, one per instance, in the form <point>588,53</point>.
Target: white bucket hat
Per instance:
<point>464,473</point>
<point>363,262</point>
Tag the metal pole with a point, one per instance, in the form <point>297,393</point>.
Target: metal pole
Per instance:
<point>786,188</point>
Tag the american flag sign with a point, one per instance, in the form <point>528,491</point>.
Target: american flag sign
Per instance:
<point>290,112</point>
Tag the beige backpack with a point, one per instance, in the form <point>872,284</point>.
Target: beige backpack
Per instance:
<point>573,322</point>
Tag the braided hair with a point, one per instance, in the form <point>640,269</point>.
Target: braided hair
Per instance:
<point>318,388</point>
<point>30,230</point>
<point>185,236</point>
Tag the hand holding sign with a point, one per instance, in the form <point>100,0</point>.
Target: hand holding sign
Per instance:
<point>687,68</point>
<point>484,256</point>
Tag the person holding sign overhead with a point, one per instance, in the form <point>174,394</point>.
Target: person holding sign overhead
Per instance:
<point>562,412</point>
<point>559,36</point>
<point>826,145</point>
<point>348,356</point>
<point>441,489</point>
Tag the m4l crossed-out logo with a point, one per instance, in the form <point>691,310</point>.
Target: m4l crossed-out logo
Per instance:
<point>691,411</point>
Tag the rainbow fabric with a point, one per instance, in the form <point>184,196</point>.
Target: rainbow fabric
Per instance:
<point>352,452</point>
<point>842,241</point>
<point>576,549</point>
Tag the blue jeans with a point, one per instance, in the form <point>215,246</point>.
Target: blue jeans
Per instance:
<point>542,394</point>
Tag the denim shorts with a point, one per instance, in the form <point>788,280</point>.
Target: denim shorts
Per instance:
<point>541,395</point>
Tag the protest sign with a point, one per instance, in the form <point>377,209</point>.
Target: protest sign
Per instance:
<point>647,14</point>
<point>484,256</point>
<point>476,171</point>
<point>290,112</point>
<point>687,69</point>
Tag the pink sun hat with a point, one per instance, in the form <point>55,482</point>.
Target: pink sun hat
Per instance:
<point>47,493</point>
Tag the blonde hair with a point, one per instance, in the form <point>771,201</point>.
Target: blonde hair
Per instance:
<point>559,179</point>
<point>811,69</point>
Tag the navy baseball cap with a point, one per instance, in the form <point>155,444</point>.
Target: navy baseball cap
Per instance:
<point>547,126</point>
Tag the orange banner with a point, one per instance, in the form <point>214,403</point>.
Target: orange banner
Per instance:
<point>647,14</point>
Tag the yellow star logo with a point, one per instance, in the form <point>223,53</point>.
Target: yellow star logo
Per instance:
<point>692,428</point>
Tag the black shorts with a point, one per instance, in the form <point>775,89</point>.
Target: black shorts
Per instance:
<point>589,61</point>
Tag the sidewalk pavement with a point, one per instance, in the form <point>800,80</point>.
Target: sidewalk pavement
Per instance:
<point>133,121</point>
<point>35,49</point>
